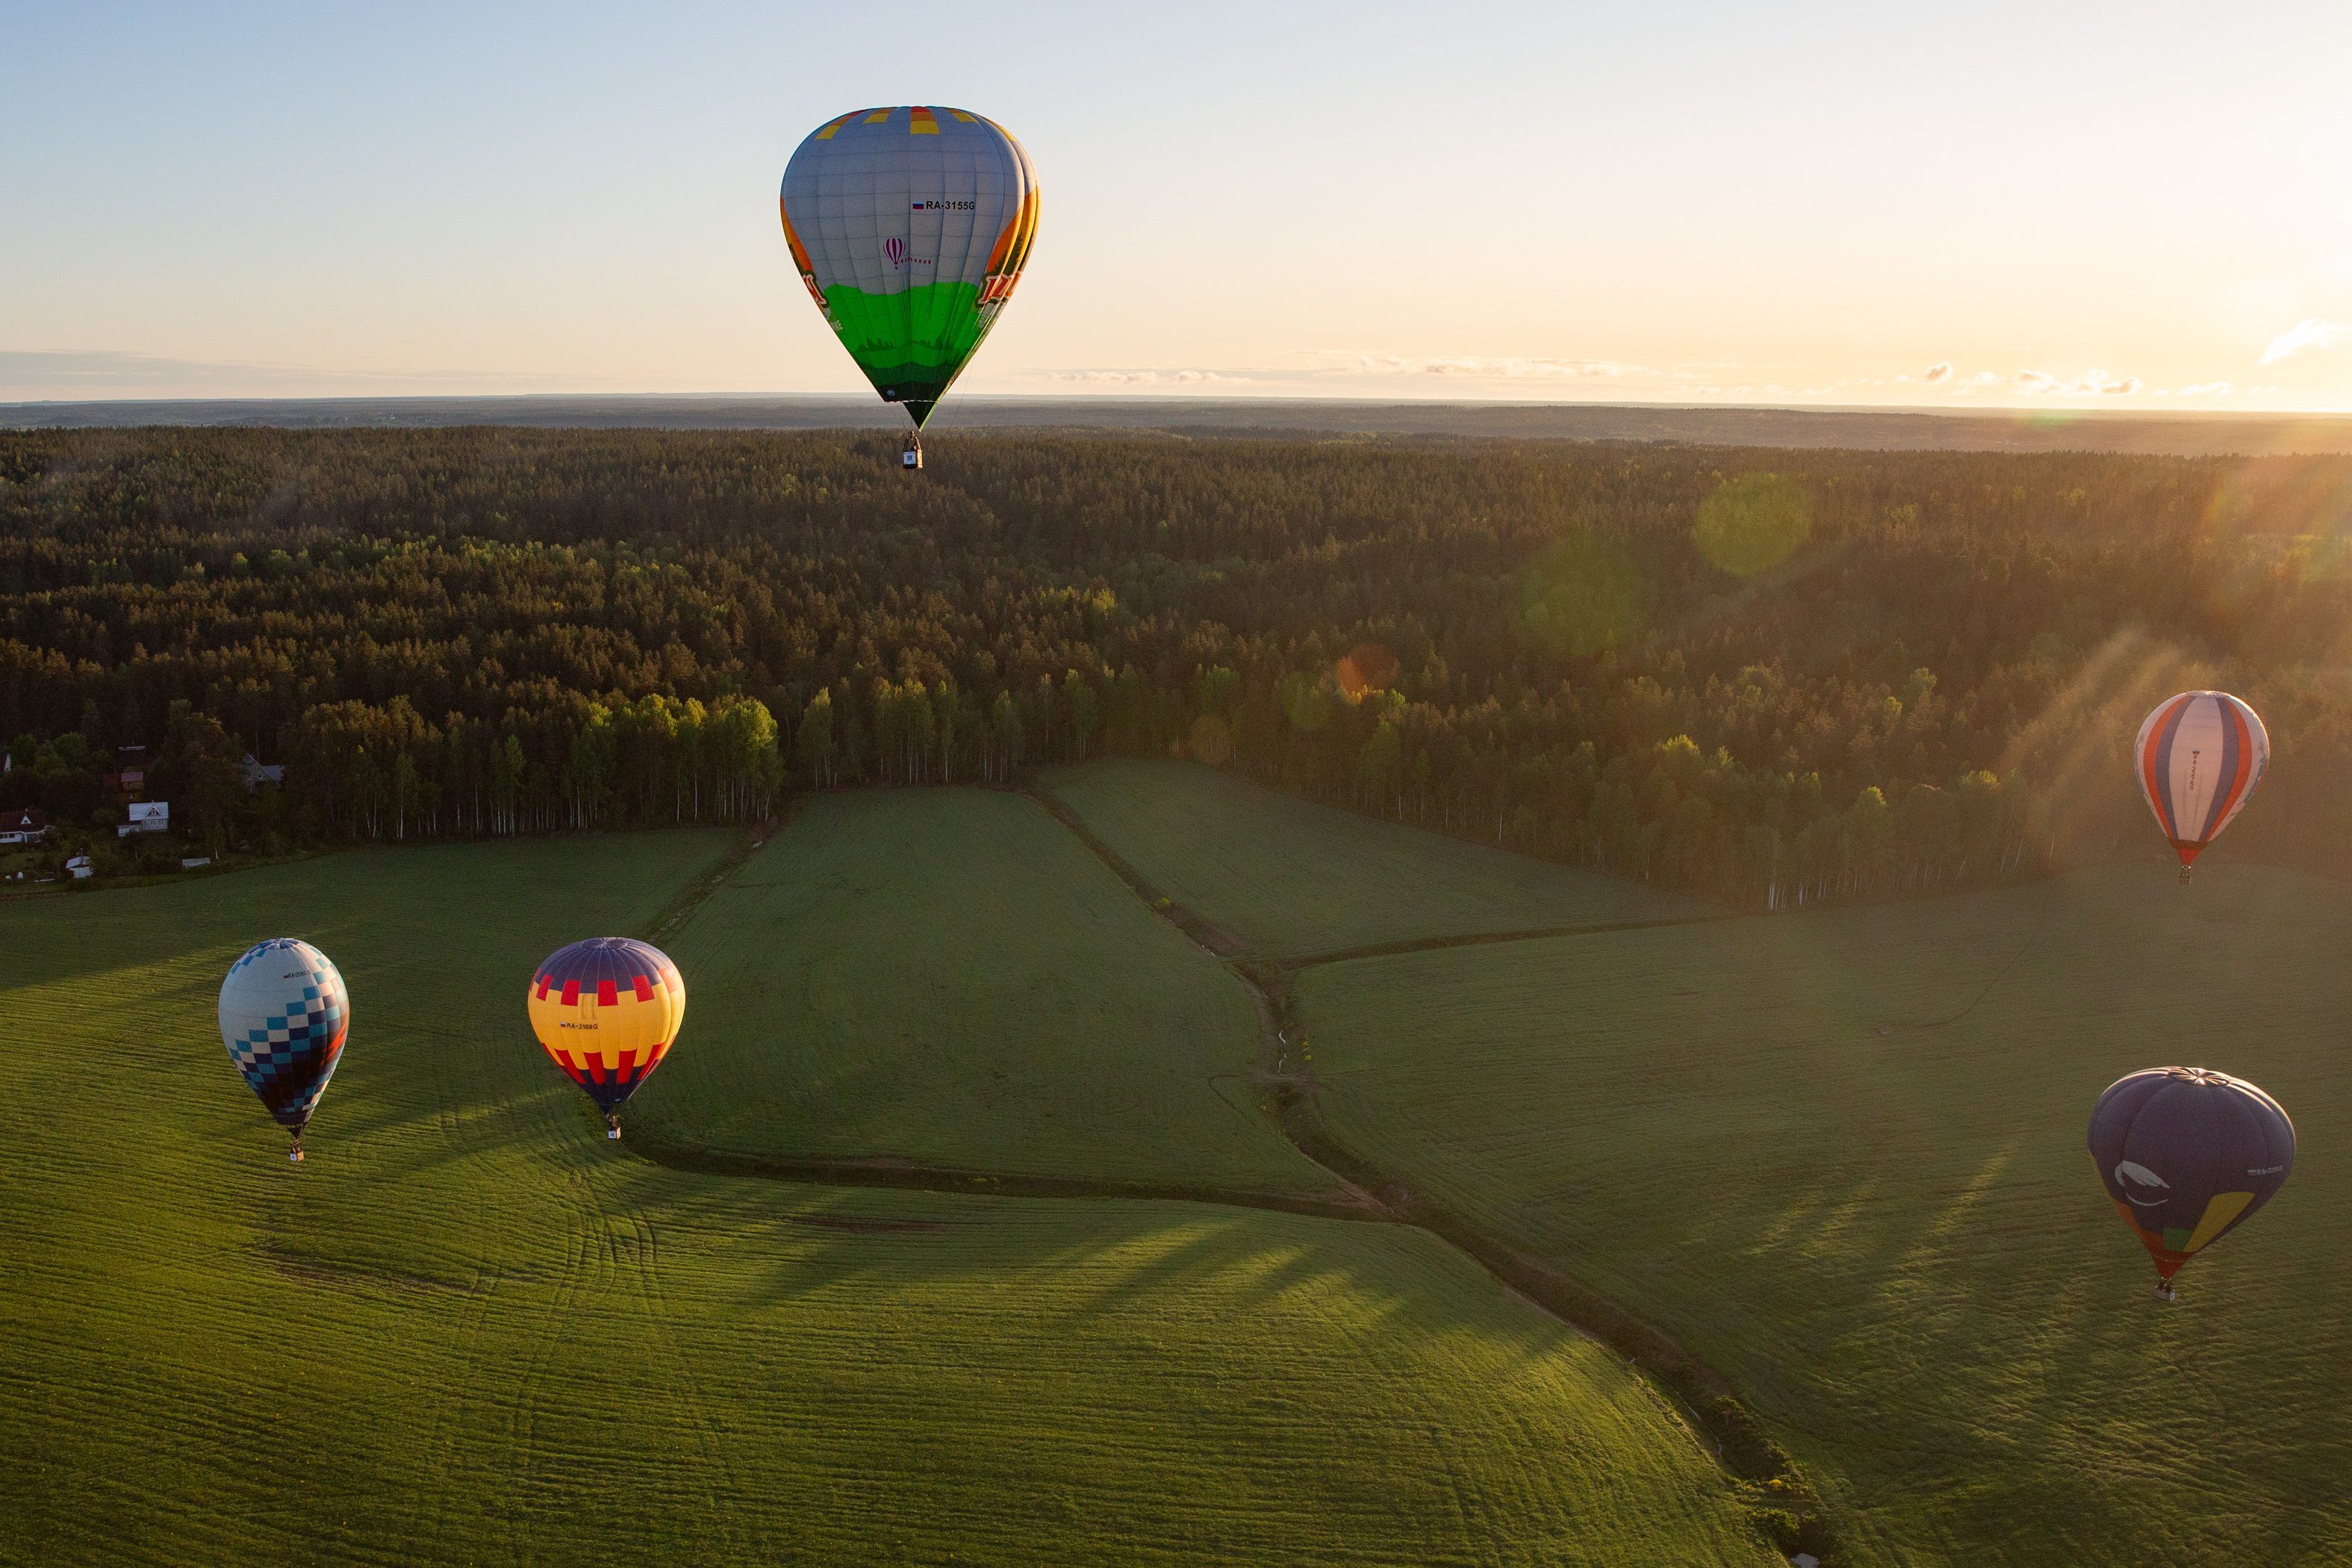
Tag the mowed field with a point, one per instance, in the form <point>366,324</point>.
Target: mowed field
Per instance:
<point>1840,1155</point>
<point>470,1329</point>
<point>951,978</point>
<point>1288,878</point>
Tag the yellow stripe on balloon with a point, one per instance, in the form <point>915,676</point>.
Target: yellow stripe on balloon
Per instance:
<point>2225,1207</point>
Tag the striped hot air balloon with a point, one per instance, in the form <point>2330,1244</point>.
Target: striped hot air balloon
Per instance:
<point>910,226</point>
<point>284,1015</point>
<point>2201,754</point>
<point>607,1010</point>
<point>2187,1156</point>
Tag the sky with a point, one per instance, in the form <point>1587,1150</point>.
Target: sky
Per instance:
<point>2128,206</point>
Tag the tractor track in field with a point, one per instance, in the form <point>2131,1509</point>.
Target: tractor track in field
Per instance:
<point>1364,1192</point>
<point>1721,1417</point>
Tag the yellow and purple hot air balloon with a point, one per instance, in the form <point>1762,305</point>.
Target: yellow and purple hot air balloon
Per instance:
<point>2188,1155</point>
<point>2200,756</point>
<point>607,1010</point>
<point>910,226</point>
<point>284,1015</point>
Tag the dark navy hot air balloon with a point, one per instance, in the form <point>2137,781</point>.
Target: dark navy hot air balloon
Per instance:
<point>607,1010</point>
<point>283,1017</point>
<point>2186,1154</point>
<point>2200,756</point>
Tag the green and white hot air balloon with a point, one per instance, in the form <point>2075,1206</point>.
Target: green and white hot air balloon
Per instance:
<point>910,226</point>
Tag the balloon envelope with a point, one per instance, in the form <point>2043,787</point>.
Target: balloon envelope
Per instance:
<point>2187,1155</point>
<point>2201,754</point>
<point>607,1011</point>
<point>283,1016</point>
<point>910,225</point>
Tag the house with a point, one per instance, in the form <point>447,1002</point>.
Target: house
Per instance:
<point>258,774</point>
<point>26,826</point>
<point>146,816</point>
<point>80,866</point>
<point>130,774</point>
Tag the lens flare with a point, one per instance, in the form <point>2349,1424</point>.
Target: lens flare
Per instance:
<point>1367,667</point>
<point>1306,699</point>
<point>1584,594</point>
<point>1752,522</point>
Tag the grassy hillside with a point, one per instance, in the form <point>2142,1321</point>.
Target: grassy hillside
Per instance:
<point>950,976</point>
<point>468,1330</point>
<point>1840,1155</point>
<point>1290,878</point>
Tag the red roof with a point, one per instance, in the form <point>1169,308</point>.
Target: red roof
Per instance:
<point>25,821</point>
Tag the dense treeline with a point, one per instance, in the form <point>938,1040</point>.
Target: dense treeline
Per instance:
<point>1766,676</point>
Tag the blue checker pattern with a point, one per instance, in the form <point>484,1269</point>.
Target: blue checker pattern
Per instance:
<point>283,1012</point>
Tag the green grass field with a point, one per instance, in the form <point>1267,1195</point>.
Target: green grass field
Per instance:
<point>950,978</point>
<point>1840,1156</point>
<point>468,1330</point>
<point>1288,878</point>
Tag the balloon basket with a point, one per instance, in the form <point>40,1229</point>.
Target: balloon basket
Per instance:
<point>294,1156</point>
<point>2187,872</point>
<point>911,456</point>
<point>612,1132</point>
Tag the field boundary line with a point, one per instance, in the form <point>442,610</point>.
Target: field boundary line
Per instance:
<point>1345,1203</point>
<point>1478,939</point>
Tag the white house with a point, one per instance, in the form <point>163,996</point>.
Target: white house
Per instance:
<point>26,826</point>
<point>80,866</point>
<point>146,816</point>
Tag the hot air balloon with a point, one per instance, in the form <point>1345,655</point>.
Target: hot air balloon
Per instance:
<point>910,226</point>
<point>283,1016</point>
<point>2201,754</point>
<point>2186,1154</point>
<point>607,1010</point>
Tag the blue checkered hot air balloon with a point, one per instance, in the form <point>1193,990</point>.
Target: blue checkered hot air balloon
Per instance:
<point>283,1015</point>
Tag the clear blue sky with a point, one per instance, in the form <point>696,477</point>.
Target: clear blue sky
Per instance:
<point>2121,204</point>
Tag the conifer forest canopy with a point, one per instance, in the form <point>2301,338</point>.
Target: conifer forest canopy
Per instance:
<point>1767,677</point>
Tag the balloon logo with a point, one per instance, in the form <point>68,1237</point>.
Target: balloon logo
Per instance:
<point>607,1011</point>
<point>2132,1179</point>
<point>2187,1155</point>
<point>953,190</point>
<point>2200,756</point>
<point>284,1014</point>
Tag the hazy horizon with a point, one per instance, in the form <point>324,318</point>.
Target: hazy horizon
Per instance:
<point>1697,205</point>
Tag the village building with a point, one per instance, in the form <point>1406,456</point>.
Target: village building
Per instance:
<point>26,826</point>
<point>146,816</point>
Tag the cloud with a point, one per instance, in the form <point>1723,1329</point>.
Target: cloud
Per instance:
<point>2201,389</point>
<point>1354,362</point>
<point>1936,373</point>
<point>106,373</point>
<point>2309,333</point>
<point>1149,377</point>
<point>2090,384</point>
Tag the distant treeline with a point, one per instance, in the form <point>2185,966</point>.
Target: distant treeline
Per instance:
<point>1770,677</point>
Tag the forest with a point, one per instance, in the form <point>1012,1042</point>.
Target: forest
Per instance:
<point>1770,677</point>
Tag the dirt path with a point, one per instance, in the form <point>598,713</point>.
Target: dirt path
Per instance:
<point>1721,1419</point>
<point>1288,1092</point>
